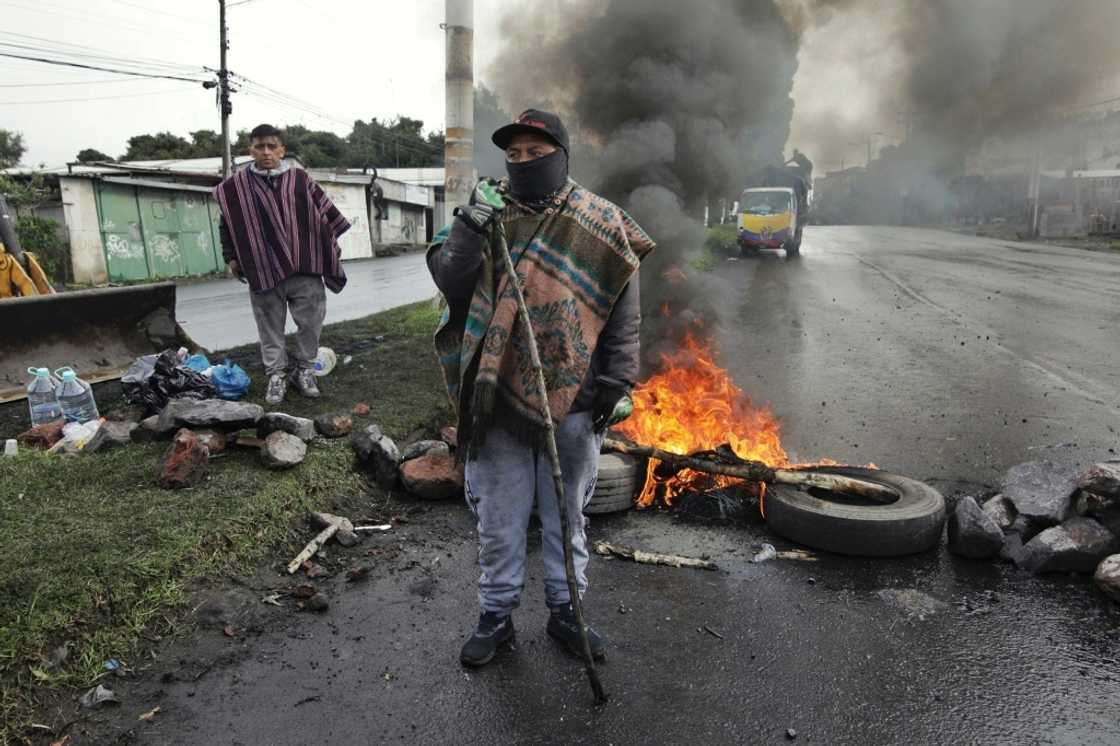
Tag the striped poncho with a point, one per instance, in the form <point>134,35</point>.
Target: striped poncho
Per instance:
<point>291,228</point>
<point>574,261</point>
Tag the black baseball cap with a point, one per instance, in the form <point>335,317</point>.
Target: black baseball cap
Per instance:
<point>536,121</point>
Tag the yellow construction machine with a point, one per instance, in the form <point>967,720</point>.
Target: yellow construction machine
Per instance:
<point>20,272</point>
<point>97,332</point>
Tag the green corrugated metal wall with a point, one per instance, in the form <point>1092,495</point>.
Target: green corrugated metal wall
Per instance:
<point>149,233</point>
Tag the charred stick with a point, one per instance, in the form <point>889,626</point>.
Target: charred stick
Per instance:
<point>652,558</point>
<point>756,471</point>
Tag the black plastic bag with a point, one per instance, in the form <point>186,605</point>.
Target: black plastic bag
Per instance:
<point>152,380</point>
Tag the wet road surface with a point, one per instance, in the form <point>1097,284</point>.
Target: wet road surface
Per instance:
<point>218,316</point>
<point>939,356</point>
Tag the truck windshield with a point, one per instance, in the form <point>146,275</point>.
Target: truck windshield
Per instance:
<point>765,203</point>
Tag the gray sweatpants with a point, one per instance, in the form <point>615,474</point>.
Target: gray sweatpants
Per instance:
<point>306,298</point>
<point>503,480</point>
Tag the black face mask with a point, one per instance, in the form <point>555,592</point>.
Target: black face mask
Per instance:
<point>533,181</point>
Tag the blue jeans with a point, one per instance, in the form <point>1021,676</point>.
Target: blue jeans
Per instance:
<point>503,480</point>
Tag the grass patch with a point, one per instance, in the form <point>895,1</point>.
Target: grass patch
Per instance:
<point>96,559</point>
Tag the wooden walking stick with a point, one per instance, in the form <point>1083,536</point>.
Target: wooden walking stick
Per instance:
<point>554,457</point>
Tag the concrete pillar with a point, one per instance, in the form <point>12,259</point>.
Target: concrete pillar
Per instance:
<point>459,127</point>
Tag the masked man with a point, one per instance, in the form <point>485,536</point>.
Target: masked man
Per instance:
<point>577,257</point>
<point>279,234</point>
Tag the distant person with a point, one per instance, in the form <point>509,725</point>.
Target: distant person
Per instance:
<point>578,257</point>
<point>279,234</point>
<point>804,165</point>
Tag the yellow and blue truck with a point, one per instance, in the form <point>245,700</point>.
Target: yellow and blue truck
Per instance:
<point>772,216</point>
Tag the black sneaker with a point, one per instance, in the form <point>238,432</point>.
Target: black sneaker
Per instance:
<point>563,628</point>
<point>494,630</point>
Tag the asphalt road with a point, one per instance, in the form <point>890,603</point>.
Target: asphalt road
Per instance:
<point>217,314</point>
<point>943,357</point>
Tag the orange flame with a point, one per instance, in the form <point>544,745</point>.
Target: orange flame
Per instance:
<point>693,405</point>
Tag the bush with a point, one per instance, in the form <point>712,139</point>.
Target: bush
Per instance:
<point>722,239</point>
<point>40,237</point>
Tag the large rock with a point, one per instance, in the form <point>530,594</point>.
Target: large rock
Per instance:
<point>334,425</point>
<point>42,436</point>
<point>1000,510</point>
<point>377,453</point>
<point>110,434</point>
<point>274,422</point>
<point>216,414</point>
<point>1104,509</point>
<point>186,462</point>
<point>1102,479</point>
<point>1075,546</point>
<point>972,532</point>
<point>1041,490</point>
<point>420,447</point>
<point>283,450</point>
<point>1107,576</point>
<point>433,476</point>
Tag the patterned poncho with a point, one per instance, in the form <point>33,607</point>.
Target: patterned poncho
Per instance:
<point>289,229</point>
<point>573,261</point>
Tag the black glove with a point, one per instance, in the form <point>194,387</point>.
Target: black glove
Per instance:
<point>612,405</point>
<point>476,217</point>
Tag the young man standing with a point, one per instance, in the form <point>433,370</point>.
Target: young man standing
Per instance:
<point>577,256</point>
<point>280,234</point>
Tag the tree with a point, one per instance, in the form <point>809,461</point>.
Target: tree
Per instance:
<point>90,155</point>
<point>206,144</point>
<point>160,146</point>
<point>11,148</point>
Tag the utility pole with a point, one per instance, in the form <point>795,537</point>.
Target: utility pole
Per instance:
<point>223,90</point>
<point>458,148</point>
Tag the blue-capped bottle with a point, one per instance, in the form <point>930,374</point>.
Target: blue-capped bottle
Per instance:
<point>42,397</point>
<point>76,397</point>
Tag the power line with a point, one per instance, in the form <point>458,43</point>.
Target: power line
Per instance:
<point>98,67</point>
<point>70,82</point>
<point>102,58</point>
<point>93,98</point>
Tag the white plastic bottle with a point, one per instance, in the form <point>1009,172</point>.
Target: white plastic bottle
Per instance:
<point>42,397</point>
<point>325,361</point>
<point>76,397</point>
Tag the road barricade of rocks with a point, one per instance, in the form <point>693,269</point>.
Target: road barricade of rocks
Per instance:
<point>200,429</point>
<point>1047,517</point>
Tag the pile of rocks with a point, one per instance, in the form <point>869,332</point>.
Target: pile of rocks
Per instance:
<point>427,469</point>
<point>200,429</point>
<point>1047,518</point>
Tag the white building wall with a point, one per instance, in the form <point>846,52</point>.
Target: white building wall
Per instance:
<point>350,199</point>
<point>79,205</point>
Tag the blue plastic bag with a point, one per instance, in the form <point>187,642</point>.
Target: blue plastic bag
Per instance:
<point>230,380</point>
<point>197,363</point>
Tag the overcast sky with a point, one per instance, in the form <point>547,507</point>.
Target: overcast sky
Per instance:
<point>354,59</point>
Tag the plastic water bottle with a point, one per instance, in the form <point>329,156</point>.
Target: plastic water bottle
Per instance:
<point>325,361</point>
<point>76,397</point>
<point>42,397</point>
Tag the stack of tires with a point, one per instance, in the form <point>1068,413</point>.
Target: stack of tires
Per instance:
<point>620,479</point>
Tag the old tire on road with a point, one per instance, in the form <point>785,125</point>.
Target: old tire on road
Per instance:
<point>620,478</point>
<point>850,525</point>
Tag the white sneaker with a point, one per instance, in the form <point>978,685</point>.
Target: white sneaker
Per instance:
<point>306,384</point>
<point>277,387</point>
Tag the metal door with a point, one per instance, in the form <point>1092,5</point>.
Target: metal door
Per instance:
<point>196,238</point>
<point>121,234</point>
<point>159,220</point>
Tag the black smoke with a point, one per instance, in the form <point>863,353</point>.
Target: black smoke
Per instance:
<point>672,105</point>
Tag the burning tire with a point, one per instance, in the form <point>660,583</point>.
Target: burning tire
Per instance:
<point>620,478</point>
<point>846,524</point>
